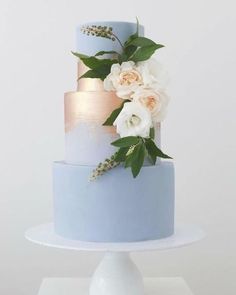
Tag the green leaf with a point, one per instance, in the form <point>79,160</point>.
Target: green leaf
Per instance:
<point>153,159</point>
<point>142,42</point>
<point>104,71</point>
<point>79,55</point>
<point>131,155</point>
<point>121,154</point>
<point>129,51</point>
<point>92,62</point>
<point>100,72</point>
<point>100,67</point>
<point>152,133</point>
<point>110,120</point>
<point>144,53</point>
<point>91,74</point>
<point>126,141</point>
<point>154,151</point>
<point>138,159</point>
<point>151,147</point>
<point>135,35</point>
<point>151,152</point>
<point>122,57</point>
<point>129,160</point>
<point>137,28</point>
<point>106,52</point>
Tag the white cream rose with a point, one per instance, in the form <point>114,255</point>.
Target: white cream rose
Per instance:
<point>156,101</point>
<point>126,78</point>
<point>153,74</point>
<point>133,120</point>
<point>123,79</point>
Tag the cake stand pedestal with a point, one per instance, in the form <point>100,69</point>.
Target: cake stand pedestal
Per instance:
<point>116,274</point>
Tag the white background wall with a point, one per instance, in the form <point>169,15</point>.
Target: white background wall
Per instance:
<point>36,68</point>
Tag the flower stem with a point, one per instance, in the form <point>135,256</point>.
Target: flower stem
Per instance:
<point>122,46</point>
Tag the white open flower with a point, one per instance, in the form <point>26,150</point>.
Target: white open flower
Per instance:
<point>123,79</point>
<point>156,101</point>
<point>133,120</point>
<point>153,74</point>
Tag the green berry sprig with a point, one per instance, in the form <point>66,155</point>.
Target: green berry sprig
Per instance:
<point>99,31</point>
<point>103,167</point>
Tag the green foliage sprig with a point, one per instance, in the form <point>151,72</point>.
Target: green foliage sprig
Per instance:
<point>99,68</point>
<point>138,48</point>
<point>103,167</point>
<point>133,150</point>
<point>99,31</point>
<point>135,49</point>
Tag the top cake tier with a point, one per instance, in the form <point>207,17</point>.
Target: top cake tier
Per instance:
<point>90,46</point>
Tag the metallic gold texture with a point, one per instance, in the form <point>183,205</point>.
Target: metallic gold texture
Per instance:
<point>90,107</point>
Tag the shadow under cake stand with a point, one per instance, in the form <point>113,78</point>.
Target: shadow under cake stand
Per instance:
<point>116,274</point>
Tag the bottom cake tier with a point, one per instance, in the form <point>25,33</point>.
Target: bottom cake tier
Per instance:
<point>115,207</point>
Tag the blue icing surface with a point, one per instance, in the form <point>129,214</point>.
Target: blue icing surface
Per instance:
<point>115,207</point>
<point>90,44</point>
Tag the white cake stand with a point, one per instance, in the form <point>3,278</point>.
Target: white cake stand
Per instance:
<point>116,273</point>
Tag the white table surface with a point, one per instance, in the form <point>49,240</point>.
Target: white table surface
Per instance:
<point>80,286</point>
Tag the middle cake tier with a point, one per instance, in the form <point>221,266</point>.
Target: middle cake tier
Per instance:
<point>87,141</point>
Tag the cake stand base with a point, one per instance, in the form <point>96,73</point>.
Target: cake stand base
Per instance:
<point>80,286</point>
<point>117,274</point>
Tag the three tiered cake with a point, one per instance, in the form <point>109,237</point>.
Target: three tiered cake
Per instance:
<point>112,125</point>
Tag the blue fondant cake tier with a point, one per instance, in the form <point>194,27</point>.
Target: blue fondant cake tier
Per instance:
<point>115,207</point>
